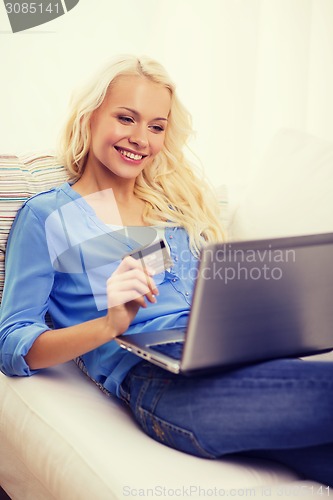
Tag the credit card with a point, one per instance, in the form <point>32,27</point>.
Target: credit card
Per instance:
<point>155,256</point>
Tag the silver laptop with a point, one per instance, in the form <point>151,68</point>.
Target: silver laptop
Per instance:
<point>253,301</point>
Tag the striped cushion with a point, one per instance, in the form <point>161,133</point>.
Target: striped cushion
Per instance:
<point>21,178</point>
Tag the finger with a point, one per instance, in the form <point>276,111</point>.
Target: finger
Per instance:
<point>152,285</point>
<point>151,297</point>
<point>120,293</point>
<point>125,297</point>
<point>130,263</point>
<point>141,301</point>
<point>135,274</point>
<point>123,286</point>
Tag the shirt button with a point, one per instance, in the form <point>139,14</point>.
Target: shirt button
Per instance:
<point>174,279</point>
<point>176,259</point>
<point>187,294</point>
<point>170,236</point>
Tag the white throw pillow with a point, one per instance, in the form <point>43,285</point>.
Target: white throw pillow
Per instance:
<point>291,193</point>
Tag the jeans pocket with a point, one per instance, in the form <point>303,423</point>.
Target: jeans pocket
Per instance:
<point>148,386</point>
<point>171,435</point>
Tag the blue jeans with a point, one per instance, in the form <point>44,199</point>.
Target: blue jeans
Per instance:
<point>281,410</point>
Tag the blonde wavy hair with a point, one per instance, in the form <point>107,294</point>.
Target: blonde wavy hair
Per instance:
<point>176,194</point>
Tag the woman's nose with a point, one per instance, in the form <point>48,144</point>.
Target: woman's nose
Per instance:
<point>139,137</point>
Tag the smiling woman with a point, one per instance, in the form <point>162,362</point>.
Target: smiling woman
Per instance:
<point>132,109</point>
<point>124,148</point>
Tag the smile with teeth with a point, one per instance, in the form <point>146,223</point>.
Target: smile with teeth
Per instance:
<point>132,156</point>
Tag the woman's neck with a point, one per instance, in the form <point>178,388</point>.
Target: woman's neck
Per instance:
<point>90,182</point>
<point>113,202</point>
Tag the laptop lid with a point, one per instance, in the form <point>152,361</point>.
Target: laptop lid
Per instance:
<point>259,300</point>
<point>253,301</point>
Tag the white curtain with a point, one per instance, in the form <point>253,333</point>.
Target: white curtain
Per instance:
<point>294,76</point>
<point>244,68</point>
<point>275,69</point>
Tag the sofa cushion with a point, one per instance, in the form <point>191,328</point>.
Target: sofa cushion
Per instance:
<point>63,439</point>
<point>21,178</point>
<point>290,192</point>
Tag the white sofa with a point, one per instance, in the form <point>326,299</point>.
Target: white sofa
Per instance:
<point>62,438</point>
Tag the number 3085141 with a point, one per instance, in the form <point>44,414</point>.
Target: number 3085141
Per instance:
<point>32,8</point>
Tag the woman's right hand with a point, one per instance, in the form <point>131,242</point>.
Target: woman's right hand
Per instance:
<point>127,290</point>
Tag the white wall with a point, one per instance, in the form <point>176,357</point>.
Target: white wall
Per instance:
<point>244,68</point>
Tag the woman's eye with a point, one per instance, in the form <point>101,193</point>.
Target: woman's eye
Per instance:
<point>157,128</point>
<point>126,119</point>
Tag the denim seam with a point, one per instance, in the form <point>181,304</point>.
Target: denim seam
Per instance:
<point>153,403</point>
<point>188,434</point>
<point>124,396</point>
<point>277,383</point>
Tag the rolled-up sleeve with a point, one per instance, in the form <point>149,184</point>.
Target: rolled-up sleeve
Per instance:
<point>28,284</point>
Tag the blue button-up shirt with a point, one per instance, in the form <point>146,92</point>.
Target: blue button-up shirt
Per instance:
<point>59,256</point>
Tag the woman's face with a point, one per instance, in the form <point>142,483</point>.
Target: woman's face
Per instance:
<point>128,129</point>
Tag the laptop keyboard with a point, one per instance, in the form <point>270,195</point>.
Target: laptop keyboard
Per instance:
<point>172,349</point>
